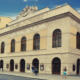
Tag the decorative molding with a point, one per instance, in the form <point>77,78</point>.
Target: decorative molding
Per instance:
<point>68,14</point>
<point>27,10</point>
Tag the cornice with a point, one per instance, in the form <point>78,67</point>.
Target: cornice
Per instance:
<point>68,14</point>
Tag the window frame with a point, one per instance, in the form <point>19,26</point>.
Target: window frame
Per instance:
<point>56,38</point>
<point>36,42</point>
<point>2,47</point>
<point>23,44</point>
<point>13,45</point>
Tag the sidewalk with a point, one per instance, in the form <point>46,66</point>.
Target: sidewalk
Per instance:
<point>43,77</point>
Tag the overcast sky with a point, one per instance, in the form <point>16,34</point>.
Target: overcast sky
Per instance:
<point>13,7</point>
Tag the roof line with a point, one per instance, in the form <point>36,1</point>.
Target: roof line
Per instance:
<point>41,22</point>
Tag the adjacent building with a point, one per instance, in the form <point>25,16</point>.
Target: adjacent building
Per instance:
<point>4,21</point>
<point>48,39</point>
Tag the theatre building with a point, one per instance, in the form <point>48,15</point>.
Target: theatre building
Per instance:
<point>48,39</point>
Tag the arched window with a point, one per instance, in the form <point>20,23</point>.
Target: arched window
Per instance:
<point>56,38</point>
<point>12,45</point>
<point>23,44</point>
<point>36,42</point>
<point>78,40</point>
<point>2,47</point>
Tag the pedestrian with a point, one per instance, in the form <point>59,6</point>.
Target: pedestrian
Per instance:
<point>2,69</point>
<point>65,72</point>
<point>33,69</point>
<point>36,71</point>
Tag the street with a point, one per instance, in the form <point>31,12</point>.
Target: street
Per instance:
<point>10,77</point>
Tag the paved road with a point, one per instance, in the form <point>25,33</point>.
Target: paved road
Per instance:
<point>4,76</point>
<point>10,77</point>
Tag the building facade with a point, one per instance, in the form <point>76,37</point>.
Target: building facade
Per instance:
<point>47,39</point>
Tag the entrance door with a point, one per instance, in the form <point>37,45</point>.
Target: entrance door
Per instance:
<point>11,65</point>
<point>56,66</point>
<point>35,63</point>
<point>78,66</point>
<point>22,65</point>
<point>1,64</point>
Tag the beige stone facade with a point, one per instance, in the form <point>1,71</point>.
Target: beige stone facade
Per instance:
<point>43,22</point>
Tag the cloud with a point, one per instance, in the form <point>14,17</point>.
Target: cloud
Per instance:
<point>78,9</point>
<point>25,0</point>
<point>36,0</point>
<point>11,15</point>
<point>30,0</point>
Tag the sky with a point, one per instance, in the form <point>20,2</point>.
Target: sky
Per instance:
<point>11,8</point>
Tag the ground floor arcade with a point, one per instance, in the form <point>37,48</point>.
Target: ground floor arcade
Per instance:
<point>49,64</point>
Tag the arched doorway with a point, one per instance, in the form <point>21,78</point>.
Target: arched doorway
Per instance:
<point>12,65</point>
<point>78,66</point>
<point>22,65</point>
<point>1,64</point>
<point>56,66</point>
<point>35,63</point>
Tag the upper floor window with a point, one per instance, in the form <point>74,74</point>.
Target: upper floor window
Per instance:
<point>36,42</point>
<point>78,40</point>
<point>23,44</point>
<point>2,47</point>
<point>12,45</point>
<point>56,38</point>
